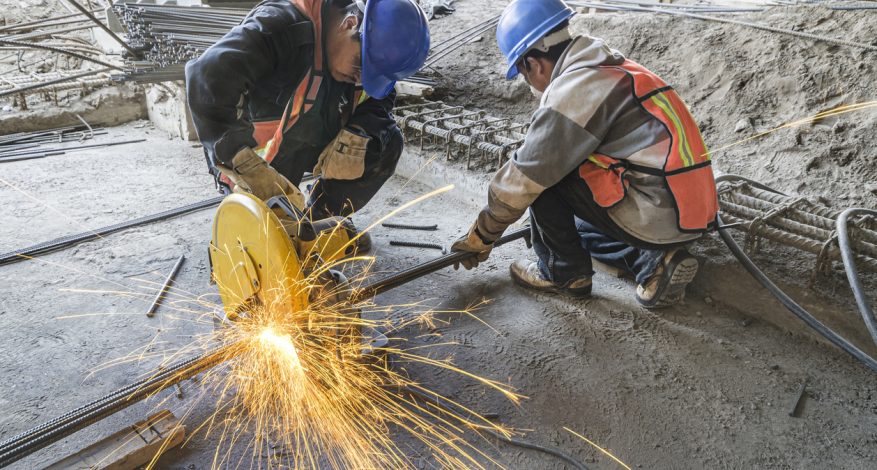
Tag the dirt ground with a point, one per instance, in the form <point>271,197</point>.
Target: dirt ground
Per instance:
<point>691,387</point>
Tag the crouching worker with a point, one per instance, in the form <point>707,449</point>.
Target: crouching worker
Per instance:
<point>613,166</point>
<point>278,96</point>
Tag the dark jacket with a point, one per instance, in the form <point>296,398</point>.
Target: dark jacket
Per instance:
<point>250,75</point>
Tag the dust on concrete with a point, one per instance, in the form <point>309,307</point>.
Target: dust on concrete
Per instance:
<point>685,388</point>
<point>691,387</point>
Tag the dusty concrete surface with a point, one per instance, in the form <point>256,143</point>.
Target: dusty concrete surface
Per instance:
<point>684,388</point>
<point>697,386</point>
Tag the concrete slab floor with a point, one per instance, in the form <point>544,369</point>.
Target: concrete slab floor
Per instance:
<point>682,388</point>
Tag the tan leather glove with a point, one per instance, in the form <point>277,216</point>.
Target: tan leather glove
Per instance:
<point>251,173</point>
<point>344,157</point>
<point>473,243</point>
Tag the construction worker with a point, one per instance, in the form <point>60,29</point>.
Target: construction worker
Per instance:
<point>278,96</point>
<point>613,166</point>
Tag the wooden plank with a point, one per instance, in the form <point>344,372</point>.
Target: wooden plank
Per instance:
<point>129,448</point>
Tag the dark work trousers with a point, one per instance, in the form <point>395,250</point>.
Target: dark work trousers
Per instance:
<point>569,229</point>
<point>343,197</point>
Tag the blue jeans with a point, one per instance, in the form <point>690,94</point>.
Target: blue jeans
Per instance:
<point>569,229</point>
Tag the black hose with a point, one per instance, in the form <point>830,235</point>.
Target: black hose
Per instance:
<point>790,304</point>
<point>846,253</point>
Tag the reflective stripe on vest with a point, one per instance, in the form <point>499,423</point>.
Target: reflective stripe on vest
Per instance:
<point>302,100</point>
<point>686,166</point>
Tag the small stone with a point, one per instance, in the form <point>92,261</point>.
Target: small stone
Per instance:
<point>742,125</point>
<point>7,109</point>
<point>871,187</point>
<point>775,367</point>
<point>708,300</point>
<point>839,127</point>
<point>698,313</point>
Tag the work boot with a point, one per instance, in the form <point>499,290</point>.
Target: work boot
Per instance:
<point>528,274</point>
<point>666,287</point>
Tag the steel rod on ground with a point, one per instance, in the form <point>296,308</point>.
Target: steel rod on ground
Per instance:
<point>165,287</point>
<point>28,442</point>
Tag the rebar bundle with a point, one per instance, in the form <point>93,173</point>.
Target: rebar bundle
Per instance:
<point>461,131</point>
<point>169,34</point>
<point>796,222</point>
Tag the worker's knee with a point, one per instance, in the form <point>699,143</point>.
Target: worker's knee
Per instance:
<point>384,155</point>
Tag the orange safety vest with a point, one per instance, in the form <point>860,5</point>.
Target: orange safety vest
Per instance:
<point>269,134</point>
<point>686,167</point>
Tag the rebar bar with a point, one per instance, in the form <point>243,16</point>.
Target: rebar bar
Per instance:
<point>165,287</point>
<point>410,226</point>
<point>63,82</point>
<point>412,244</point>
<point>795,222</point>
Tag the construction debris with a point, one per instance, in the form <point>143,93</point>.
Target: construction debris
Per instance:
<point>130,447</point>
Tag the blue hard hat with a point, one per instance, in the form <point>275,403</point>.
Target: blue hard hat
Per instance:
<point>523,22</point>
<point>395,42</point>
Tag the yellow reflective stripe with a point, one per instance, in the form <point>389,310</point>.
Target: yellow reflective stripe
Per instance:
<point>685,152</point>
<point>597,162</point>
<point>262,151</point>
<point>362,98</point>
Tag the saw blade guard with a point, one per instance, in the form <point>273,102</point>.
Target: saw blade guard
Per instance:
<point>253,258</point>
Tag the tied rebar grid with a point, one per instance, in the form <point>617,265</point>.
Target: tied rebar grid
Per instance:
<point>462,132</point>
<point>796,222</point>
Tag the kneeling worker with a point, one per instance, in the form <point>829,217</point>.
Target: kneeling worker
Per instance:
<point>613,166</point>
<point>278,96</point>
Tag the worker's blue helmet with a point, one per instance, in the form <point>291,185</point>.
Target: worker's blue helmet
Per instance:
<point>523,23</point>
<point>395,42</point>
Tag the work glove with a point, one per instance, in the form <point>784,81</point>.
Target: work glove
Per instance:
<point>250,173</point>
<point>344,157</point>
<point>472,242</point>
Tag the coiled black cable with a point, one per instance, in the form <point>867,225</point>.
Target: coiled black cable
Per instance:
<point>788,302</point>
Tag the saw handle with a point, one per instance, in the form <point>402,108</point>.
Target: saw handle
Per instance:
<point>306,231</point>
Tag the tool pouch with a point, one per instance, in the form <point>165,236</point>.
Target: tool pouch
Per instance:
<point>344,157</point>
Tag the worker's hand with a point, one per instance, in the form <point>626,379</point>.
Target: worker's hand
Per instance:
<point>344,157</point>
<point>252,174</point>
<point>472,242</point>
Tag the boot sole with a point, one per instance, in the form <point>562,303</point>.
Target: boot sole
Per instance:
<point>682,269</point>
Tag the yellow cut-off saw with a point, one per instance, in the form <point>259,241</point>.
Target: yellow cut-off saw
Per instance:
<point>261,252</point>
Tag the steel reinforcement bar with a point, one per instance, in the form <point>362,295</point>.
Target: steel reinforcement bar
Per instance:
<point>796,222</point>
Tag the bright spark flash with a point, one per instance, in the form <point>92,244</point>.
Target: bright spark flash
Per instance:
<point>305,387</point>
